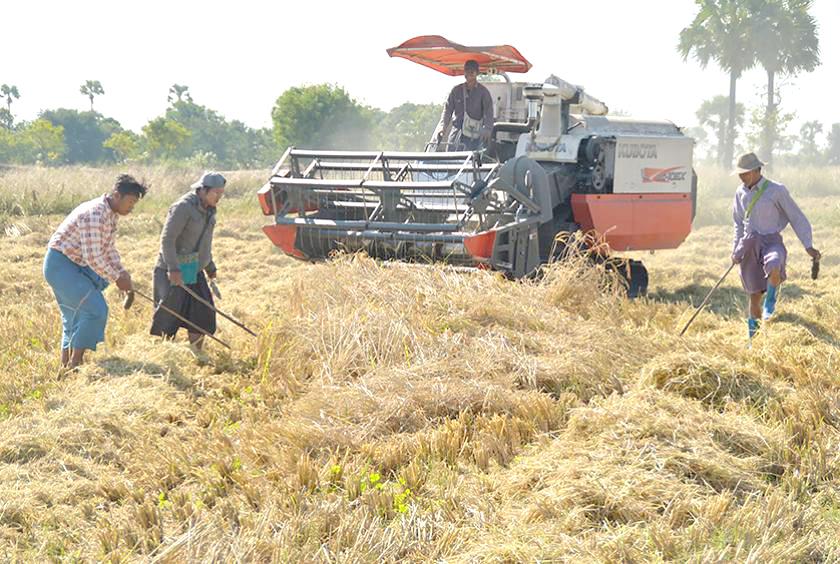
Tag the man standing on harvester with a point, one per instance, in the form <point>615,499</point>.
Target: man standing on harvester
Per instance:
<point>468,112</point>
<point>761,211</point>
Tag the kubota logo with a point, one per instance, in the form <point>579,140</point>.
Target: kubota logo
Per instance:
<point>637,151</point>
<point>663,175</point>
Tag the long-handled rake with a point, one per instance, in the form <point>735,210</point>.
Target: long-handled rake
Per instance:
<point>130,299</point>
<point>202,301</point>
<point>706,299</point>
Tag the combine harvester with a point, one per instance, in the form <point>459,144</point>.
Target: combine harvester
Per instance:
<point>557,163</point>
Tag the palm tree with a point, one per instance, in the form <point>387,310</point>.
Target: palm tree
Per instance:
<point>176,91</point>
<point>714,114</point>
<point>90,89</point>
<point>9,92</point>
<point>721,32</point>
<point>786,43</point>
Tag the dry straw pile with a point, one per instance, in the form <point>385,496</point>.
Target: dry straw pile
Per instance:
<point>395,413</point>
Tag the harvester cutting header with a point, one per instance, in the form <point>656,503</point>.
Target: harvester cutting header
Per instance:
<point>555,163</point>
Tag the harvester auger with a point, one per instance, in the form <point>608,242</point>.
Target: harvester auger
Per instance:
<point>556,164</point>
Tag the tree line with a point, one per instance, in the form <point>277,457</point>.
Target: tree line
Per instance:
<point>780,36</point>
<point>322,116</point>
<point>801,148</point>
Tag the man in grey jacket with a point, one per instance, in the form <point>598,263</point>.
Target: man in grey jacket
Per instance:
<point>468,111</point>
<point>761,211</point>
<point>185,257</point>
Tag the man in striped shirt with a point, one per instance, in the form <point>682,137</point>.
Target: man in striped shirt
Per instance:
<point>761,211</point>
<point>81,260</point>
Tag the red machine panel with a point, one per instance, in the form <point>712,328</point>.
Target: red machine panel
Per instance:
<point>635,222</point>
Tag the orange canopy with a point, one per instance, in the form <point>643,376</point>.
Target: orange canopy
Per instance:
<point>444,56</point>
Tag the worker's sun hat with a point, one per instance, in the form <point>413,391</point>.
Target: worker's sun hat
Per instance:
<point>746,163</point>
<point>210,179</point>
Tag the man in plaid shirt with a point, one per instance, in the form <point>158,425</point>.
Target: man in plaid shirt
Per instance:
<point>81,260</point>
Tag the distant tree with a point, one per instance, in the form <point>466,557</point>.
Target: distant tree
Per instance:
<point>164,137</point>
<point>177,92</point>
<point>721,32</point>
<point>265,150</point>
<point>7,121</point>
<point>714,114</point>
<point>701,141</point>
<point>209,140</point>
<point>773,125</point>
<point>206,127</point>
<point>91,89</point>
<point>407,127</point>
<point>125,145</point>
<point>9,92</point>
<point>246,147</point>
<point>43,142</point>
<point>7,145</point>
<point>321,116</point>
<point>85,133</point>
<point>809,152</point>
<point>786,43</point>
<point>833,152</point>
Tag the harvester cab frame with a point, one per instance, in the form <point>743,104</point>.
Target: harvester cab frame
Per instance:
<point>557,163</point>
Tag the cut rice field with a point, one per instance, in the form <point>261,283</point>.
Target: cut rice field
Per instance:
<point>394,413</point>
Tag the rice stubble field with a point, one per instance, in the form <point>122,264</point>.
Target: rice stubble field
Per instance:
<point>395,413</point>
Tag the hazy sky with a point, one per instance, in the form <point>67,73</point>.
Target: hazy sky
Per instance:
<point>238,56</point>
